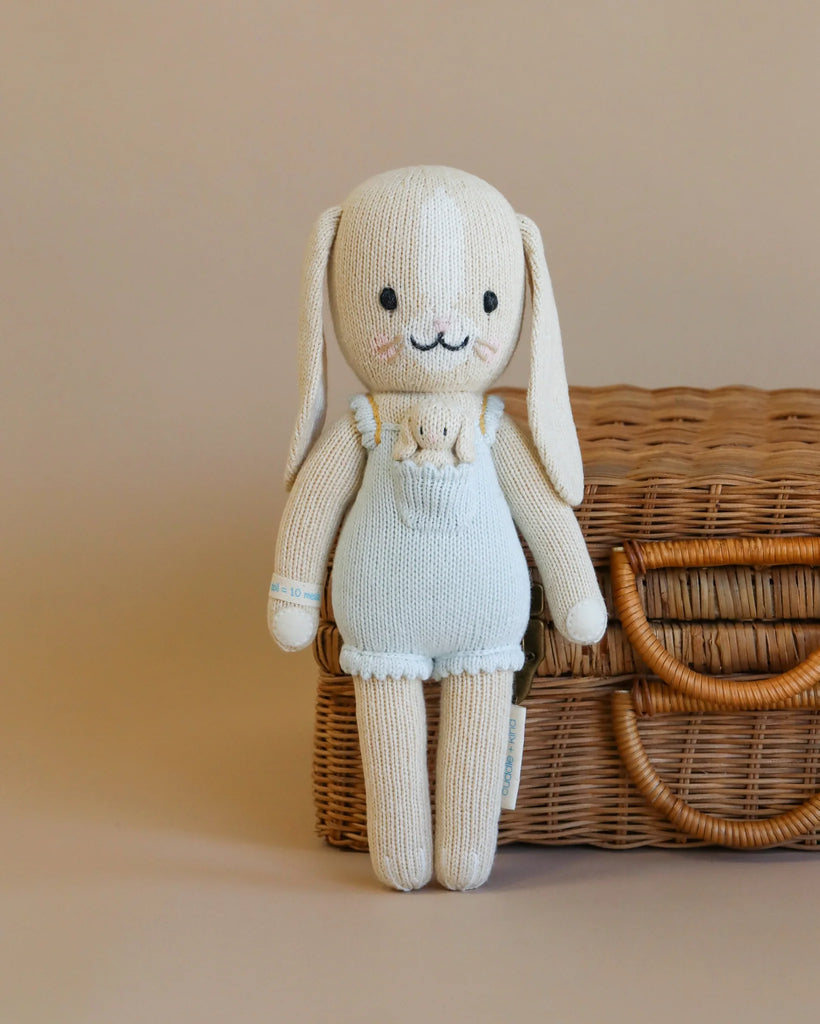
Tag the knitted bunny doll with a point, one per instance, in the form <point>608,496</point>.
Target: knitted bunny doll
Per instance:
<point>435,432</point>
<point>426,270</point>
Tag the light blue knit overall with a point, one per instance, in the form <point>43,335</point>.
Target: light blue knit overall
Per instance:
<point>429,578</point>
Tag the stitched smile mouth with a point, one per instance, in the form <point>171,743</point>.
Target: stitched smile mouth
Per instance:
<point>439,341</point>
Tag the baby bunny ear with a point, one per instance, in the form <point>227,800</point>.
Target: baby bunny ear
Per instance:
<point>405,445</point>
<point>465,448</point>
<point>312,356</point>
<point>548,408</point>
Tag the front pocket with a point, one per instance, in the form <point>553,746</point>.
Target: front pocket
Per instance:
<point>435,500</point>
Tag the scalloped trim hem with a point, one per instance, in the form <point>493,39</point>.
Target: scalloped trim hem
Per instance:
<point>379,665</point>
<point>471,663</point>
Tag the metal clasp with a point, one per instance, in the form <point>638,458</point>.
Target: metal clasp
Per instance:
<point>533,644</point>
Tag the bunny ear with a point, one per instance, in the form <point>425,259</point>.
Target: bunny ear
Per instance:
<point>548,408</point>
<point>465,449</point>
<point>405,445</point>
<point>312,357</point>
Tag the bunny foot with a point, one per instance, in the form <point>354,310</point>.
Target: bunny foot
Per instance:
<point>463,869</point>
<point>405,870</point>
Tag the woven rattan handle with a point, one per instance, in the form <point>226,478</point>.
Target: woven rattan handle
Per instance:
<point>635,559</point>
<point>734,832</point>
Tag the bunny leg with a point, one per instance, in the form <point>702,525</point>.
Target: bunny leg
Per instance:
<point>392,722</point>
<point>471,750</point>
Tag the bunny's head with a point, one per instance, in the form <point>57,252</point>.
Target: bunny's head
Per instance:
<point>429,422</point>
<point>426,270</point>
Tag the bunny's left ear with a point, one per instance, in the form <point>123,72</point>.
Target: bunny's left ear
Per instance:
<point>548,408</point>
<point>405,445</point>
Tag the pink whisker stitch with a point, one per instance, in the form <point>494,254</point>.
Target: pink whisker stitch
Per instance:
<point>482,343</point>
<point>382,343</point>
<point>487,344</point>
<point>390,349</point>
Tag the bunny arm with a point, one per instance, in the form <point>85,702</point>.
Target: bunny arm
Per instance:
<point>322,491</point>
<point>551,530</point>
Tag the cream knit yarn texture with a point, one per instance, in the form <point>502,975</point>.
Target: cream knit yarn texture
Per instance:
<point>469,768</point>
<point>392,725</point>
<point>426,270</point>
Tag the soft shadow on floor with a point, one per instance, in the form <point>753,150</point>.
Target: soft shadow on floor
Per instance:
<point>521,866</point>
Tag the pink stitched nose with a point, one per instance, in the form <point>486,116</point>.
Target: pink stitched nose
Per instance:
<point>441,325</point>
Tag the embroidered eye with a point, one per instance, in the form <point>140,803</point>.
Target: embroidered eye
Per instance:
<point>421,431</point>
<point>490,301</point>
<point>389,301</point>
<point>445,431</point>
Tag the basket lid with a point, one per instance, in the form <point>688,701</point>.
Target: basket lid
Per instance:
<point>631,433</point>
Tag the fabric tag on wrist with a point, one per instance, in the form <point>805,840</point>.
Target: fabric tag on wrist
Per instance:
<point>309,595</point>
<point>512,761</point>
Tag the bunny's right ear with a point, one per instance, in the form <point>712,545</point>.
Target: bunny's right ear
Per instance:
<point>465,446</point>
<point>312,356</point>
<point>548,408</point>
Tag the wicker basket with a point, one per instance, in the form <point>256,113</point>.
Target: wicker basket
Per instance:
<point>613,757</point>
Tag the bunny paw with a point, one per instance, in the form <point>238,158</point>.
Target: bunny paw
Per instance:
<point>293,628</point>
<point>586,621</point>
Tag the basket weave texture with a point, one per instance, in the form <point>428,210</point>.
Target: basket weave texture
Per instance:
<point>666,464</point>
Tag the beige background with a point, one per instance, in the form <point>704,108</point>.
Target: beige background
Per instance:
<point>160,167</point>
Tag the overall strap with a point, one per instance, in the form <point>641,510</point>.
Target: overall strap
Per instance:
<point>374,406</point>
<point>491,413</point>
<point>368,420</point>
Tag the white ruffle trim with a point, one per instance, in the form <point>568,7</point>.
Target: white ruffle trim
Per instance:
<point>365,420</point>
<point>379,665</point>
<point>492,417</point>
<point>499,659</point>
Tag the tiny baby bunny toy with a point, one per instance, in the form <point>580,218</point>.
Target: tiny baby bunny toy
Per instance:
<point>426,270</point>
<point>437,433</point>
